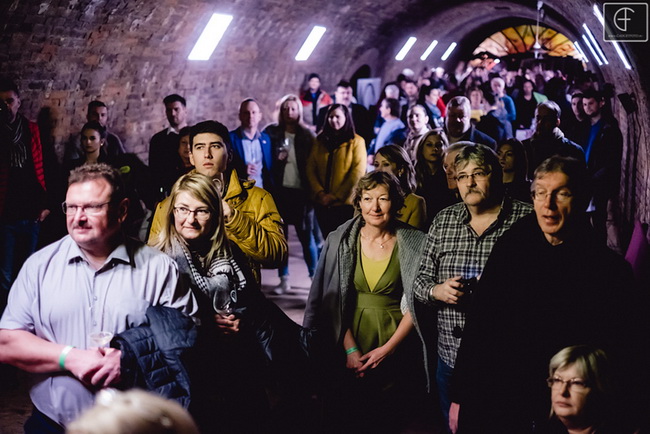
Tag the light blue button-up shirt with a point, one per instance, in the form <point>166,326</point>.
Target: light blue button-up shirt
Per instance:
<point>59,297</point>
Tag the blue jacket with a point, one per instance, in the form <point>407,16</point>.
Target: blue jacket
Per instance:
<point>236,137</point>
<point>152,354</point>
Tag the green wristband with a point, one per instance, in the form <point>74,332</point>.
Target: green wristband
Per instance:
<point>351,350</point>
<point>63,355</point>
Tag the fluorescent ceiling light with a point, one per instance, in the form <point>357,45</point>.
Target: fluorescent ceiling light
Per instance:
<point>593,52</point>
<point>448,52</point>
<point>599,15</point>
<point>210,37</point>
<point>406,48</point>
<point>582,53</point>
<point>617,47</point>
<point>310,43</point>
<point>596,45</point>
<point>428,50</point>
<point>621,55</point>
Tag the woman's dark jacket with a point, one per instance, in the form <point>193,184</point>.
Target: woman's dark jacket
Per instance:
<point>152,354</point>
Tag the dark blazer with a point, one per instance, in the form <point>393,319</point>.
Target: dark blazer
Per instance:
<point>476,136</point>
<point>236,137</point>
<point>303,142</point>
<point>152,354</point>
<point>532,300</point>
<point>163,160</point>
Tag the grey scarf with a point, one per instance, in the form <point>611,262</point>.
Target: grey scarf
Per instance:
<point>223,274</point>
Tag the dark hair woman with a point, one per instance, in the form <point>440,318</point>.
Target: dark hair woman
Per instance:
<point>336,163</point>
<point>135,174</point>
<point>430,177</point>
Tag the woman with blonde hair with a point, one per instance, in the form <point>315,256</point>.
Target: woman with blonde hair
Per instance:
<point>133,412</point>
<point>291,143</point>
<point>226,369</point>
<point>579,380</point>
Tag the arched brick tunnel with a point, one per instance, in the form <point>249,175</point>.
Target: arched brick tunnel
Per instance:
<point>131,54</point>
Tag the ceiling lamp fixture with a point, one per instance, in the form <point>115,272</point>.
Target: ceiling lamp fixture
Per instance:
<point>406,48</point>
<point>448,52</point>
<point>593,52</point>
<point>617,47</point>
<point>210,37</point>
<point>582,53</point>
<point>596,45</point>
<point>310,43</point>
<point>429,50</point>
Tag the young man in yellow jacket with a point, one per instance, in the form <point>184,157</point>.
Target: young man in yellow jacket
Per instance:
<point>251,218</point>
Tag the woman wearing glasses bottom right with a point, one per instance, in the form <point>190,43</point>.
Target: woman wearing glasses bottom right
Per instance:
<point>579,383</point>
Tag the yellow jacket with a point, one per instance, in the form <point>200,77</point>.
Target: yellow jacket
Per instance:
<point>255,224</point>
<point>349,165</point>
<point>414,212</point>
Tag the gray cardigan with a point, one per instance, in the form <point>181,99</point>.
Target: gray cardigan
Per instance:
<point>330,305</point>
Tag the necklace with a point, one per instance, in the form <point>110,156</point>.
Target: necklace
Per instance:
<point>381,244</point>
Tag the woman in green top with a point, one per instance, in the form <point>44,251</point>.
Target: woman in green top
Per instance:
<point>361,299</point>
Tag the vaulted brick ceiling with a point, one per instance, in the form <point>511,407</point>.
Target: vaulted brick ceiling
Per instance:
<point>131,53</point>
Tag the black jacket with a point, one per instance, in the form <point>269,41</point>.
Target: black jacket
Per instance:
<point>152,354</point>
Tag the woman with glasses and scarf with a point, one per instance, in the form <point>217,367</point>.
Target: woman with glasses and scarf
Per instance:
<point>227,388</point>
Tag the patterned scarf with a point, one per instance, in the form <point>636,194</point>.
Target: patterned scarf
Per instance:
<point>223,274</point>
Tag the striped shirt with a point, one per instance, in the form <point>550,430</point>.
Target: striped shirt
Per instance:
<point>454,249</point>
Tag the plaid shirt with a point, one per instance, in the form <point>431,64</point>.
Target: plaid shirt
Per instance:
<point>454,249</point>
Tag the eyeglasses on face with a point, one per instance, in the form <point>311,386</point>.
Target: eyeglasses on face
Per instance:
<point>561,196</point>
<point>200,214</point>
<point>476,176</point>
<point>573,384</point>
<point>91,209</point>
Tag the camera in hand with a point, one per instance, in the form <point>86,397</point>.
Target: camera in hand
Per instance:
<point>468,286</point>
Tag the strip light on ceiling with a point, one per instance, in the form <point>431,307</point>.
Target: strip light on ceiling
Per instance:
<point>428,50</point>
<point>406,48</point>
<point>310,43</point>
<point>596,45</point>
<point>448,52</point>
<point>210,37</point>
<point>616,45</point>
<point>593,52</point>
<point>582,53</point>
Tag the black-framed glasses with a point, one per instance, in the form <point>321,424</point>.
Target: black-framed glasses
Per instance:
<point>200,214</point>
<point>562,196</point>
<point>574,384</point>
<point>90,209</point>
<point>476,176</point>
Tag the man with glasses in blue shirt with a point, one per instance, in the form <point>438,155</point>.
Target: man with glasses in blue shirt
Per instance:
<point>458,245</point>
<point>93,280</point>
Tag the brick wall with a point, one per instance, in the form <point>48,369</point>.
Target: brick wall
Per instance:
<point>130,54</point>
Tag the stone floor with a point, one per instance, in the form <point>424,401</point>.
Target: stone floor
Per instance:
<point>15,405</point>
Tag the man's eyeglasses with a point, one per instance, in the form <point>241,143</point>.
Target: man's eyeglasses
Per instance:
<point>200,214</point>
<point>573,384</point>
<point>562,196</point>
<point>93,209</point>
<point>476,176</point>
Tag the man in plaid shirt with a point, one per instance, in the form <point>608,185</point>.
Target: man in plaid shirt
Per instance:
<point>458,244</point>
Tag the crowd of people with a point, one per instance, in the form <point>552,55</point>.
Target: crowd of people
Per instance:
<point>471,208</point>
